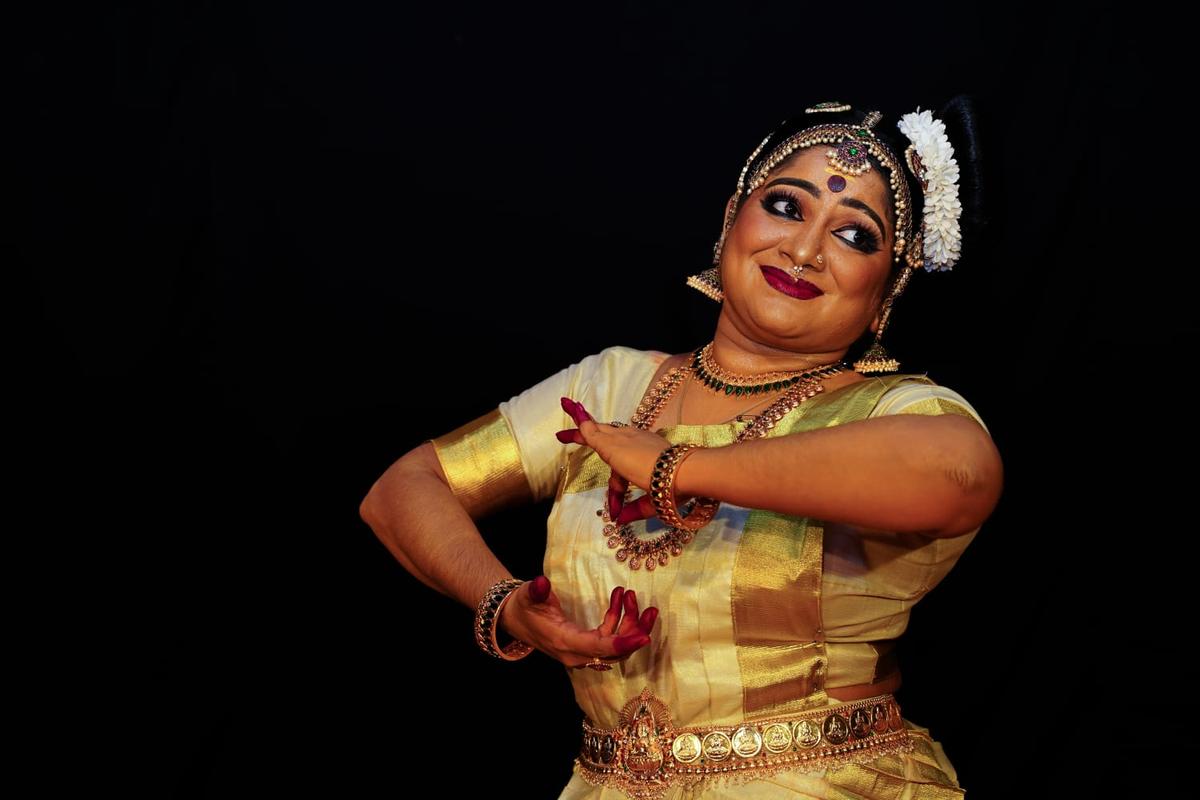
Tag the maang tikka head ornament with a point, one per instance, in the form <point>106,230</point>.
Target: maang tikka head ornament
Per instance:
<point>935,244</point>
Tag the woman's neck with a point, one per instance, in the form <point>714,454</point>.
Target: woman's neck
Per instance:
<point>741,355</point>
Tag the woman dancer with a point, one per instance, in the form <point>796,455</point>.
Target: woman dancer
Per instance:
<point>780,510</point>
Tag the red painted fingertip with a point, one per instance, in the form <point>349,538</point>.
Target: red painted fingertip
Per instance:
<point>583,411</point>
<point>629,513</point>
<point>630,600</point>
<point>649,617</point>
<point>575,411</point>
<point>566,437</point>
<point>614,602</point>
<point>614,504</point>
<point>627,644</point>
<point>539,589</point>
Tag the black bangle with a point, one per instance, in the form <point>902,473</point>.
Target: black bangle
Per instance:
<point>486,614</point>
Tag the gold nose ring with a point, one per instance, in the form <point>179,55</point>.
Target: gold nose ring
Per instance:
<point>798,268</point>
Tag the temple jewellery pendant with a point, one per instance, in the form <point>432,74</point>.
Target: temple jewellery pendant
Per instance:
<point>656,552</point>
<point>635,551</point>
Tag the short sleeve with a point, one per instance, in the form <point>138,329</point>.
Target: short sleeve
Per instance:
<point>536,414</point>
<point>511,453</point>
<point>610,384</point>
<point>910,397</point>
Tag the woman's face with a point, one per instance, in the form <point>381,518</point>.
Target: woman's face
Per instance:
<point>790,219</point>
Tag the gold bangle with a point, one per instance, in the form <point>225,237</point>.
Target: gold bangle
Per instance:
<point>486,615</point>
<point>662,491</point>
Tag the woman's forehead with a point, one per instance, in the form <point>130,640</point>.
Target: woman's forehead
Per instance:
<point>813,169</point>
<point>812,163</point>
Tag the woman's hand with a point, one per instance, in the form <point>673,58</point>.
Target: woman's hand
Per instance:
<point>629,451</point>
<point>534,615</point>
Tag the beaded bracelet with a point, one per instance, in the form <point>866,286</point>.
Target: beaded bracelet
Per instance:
<point>486,614</point>
<point>662,491</point>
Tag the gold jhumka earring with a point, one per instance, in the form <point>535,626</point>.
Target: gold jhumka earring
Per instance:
<point>708,283</point>
<point>876,358</point>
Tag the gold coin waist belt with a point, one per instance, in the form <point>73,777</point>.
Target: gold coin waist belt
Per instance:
<point>646,755</point>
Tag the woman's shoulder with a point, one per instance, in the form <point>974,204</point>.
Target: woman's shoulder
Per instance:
<point>669,361</point>
<point>621,351</point>
<point>623,364</point>
<point>613,381</point>
<point>917,393</point>
<point>625,359</point>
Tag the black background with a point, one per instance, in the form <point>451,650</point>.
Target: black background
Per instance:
<point>264,250</point>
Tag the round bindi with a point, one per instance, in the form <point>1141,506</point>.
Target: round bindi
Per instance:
<point>836,183</point>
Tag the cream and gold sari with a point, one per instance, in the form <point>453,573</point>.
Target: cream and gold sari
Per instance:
<point>759,615</point>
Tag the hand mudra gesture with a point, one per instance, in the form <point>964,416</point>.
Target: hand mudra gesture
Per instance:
<point>535,616</point>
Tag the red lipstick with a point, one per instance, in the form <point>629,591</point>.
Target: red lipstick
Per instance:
<point>802,290</point>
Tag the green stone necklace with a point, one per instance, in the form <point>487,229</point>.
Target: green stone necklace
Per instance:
<point>711,375</point>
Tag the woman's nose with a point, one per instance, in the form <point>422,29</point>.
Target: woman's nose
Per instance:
<point>803,253</point>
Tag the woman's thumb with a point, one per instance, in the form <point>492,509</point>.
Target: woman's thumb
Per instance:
<point>539,589</point>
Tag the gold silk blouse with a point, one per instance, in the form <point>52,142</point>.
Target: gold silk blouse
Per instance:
<point>761,613</point>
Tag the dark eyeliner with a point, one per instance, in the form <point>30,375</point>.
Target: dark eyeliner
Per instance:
<point>869,241</point>
<point>777,194</point>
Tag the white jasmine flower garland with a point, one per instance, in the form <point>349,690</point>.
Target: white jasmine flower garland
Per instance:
<point>942,209</point>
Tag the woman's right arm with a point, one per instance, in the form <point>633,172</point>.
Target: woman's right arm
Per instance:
<point>425,525</point>
<point>413,511</point>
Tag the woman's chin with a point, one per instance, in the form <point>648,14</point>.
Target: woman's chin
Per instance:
<point>779,323</point>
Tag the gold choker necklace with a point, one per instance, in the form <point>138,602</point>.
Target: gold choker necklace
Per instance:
<point>712,375</point>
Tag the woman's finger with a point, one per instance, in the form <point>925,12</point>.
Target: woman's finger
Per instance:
<point>575,410</point>
<point>630,621</point>
<point>641,508</point>
<point>612,649</point>
<point>609,649</point>
<point>570,436</point>
<point>633,632</point>
<point>539,589</point>
<point>617,486</point>
<point>624,645</point>
<point>647,620</point>
<point>583,411</point>
<point>609,626</point>
<point>634,622</point>
<point>568,405</point>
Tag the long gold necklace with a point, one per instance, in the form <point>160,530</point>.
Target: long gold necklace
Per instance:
<point>656,552</point>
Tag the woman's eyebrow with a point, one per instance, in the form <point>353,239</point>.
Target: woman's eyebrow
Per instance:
<point>812,189</point>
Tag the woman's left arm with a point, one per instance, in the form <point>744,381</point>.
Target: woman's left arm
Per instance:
<point>939,476</point>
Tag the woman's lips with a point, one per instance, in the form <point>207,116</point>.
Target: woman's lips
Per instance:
<point>784,283</point>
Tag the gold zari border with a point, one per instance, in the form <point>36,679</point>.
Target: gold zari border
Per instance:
<point>777,576</point>
<point>483,465</point>
<point>935,406</point>
<point>646,755</point>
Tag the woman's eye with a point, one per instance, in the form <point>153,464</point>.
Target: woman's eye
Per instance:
<point>785,207</point>
<point>782,204</point>
<point>863,239</point>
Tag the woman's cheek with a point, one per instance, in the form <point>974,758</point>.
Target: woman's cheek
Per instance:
<point>854,281</point>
